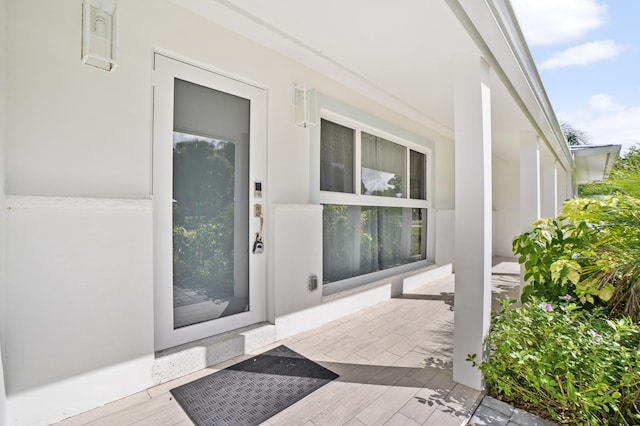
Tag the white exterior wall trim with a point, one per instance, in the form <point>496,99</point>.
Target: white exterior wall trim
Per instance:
<point>508,23</point>
<point>15,202</point>
<point>494,29</point>
<point>3,217</point>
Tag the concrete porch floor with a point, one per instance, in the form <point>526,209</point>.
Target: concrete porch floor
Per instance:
<point>394,360</point>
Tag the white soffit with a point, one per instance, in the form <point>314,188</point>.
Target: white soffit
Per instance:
<point>398,53</point>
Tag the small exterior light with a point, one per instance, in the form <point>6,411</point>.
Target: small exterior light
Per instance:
<point>305,106</point>
<point>99,34</point>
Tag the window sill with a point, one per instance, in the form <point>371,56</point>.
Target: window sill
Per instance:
<point>350,286</point>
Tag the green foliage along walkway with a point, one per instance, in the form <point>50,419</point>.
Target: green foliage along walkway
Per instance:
<point>572,362</point>
<point>592,250</point>
<point>572,348</point>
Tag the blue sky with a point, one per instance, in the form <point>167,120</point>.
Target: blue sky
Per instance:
<point>588,56</point>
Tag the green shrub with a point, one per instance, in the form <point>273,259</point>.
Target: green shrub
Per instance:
<point>553,253</point>
<point>617,265</point>
<point>591,252</point>
<point>575,363</point>
<point>203,258</point>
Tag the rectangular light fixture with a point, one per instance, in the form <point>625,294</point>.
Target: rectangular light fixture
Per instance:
<point>99,34</point>
<point>305,106</point>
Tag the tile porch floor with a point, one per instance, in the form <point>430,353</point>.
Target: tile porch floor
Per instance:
<point>394,360</point>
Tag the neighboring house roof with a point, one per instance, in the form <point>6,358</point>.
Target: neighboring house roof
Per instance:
<point>594,162</point>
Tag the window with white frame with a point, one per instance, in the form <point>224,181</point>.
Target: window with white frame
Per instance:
<point>373,186</point>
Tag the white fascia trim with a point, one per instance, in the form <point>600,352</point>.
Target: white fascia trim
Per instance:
<point>589,150</point>
<point>509,24</point>
<point>493,27</point>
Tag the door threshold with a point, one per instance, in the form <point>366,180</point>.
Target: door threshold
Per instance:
<point>185,359</point>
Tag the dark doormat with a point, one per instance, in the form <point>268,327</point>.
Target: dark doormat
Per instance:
<point>253,390</point>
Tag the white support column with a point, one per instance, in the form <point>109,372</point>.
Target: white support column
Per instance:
<point>529,180</point>
<point>550,189</point>
<point>572,187</point>
<point>473,243</point>
<point>562,187</point>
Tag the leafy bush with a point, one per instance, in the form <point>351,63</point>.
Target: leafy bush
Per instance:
<point>203,258</point>
<point>591,252</point>
<point>579,366</point>
<point>552,254</point>
<point>203,216</point>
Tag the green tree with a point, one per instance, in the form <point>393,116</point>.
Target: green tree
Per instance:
<point>203,178</point>
<point>203,191</point>
<point>592,252</point>
<point>574,136</point>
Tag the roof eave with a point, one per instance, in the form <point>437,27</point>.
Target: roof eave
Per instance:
<point>495,30</point>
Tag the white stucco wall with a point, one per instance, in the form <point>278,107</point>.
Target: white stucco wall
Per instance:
<point>506,209</point>
<point>445,175</point>
<point>3,409</point>
<point>506,196</point>
<point>298,234</point>
<point>79,287</point>
<point>78,303</point>
<point>444,202</point>
<point>563,190</point>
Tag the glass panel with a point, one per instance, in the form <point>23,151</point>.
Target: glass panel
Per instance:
<point>341,247</point>
<point>418,244</point>
<point>360,240</point>
<point>336,157</point>
<point>380,238</point>
<point>417,164</point>
<point>384,166</point>
<point>210,206</point>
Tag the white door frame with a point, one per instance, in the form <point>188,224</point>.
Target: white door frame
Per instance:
<point>164,73</point>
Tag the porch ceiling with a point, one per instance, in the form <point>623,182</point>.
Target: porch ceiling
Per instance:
<point>401,59</point>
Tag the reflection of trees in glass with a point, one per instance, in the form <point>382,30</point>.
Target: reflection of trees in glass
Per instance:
<point>203,184</point>
<point>379,234</point>
<point>383,227</point>
<point>396,187</point>
<point>338,248</point>
<point>416,232</point>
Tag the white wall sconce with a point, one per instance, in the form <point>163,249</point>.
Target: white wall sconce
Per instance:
<point>99,34</point>
<point>305,106</point>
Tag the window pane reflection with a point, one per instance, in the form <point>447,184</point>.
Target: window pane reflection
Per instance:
<point>383,167</point>
<point>358,240</point>
<point>417,164</point>
<point>336,157</point>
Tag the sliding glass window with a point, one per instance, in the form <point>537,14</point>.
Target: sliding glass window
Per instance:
<point>381,223</point>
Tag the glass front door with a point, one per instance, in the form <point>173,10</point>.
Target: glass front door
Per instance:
<point>210,199</point>
<point>206,152</point>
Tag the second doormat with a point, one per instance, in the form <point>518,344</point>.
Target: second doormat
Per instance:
<point>253,390</point>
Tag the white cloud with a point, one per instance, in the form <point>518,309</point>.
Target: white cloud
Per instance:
<point>549,22</point>
<point>603,103</point>
<point>606,122</point>
<point>583,54</point>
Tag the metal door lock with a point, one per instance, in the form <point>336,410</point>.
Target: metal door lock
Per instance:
<point>258,247</point>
